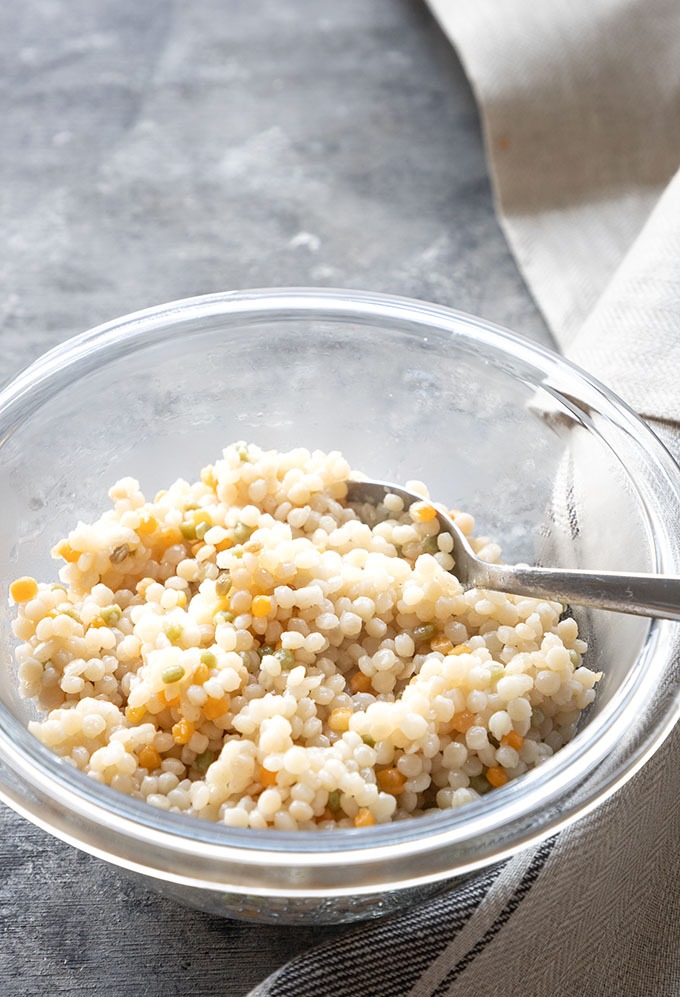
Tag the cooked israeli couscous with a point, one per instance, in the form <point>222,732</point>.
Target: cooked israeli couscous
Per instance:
<point>249,649</point>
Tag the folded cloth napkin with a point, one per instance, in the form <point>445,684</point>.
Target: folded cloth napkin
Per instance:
<point>581,109</point>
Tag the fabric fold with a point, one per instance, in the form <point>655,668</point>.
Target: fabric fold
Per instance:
<point>580,103</point>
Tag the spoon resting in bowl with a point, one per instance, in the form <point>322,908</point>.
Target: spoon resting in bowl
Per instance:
<point>639,594</point>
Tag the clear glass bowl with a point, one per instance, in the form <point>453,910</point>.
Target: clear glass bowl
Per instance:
<point>552,465</point>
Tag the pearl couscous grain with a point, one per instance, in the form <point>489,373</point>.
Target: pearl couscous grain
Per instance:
<point>249,649</point>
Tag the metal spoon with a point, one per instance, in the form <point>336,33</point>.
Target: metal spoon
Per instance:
<point>642,595</point>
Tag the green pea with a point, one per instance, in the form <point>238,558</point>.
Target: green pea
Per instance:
<point>203,761</point>
<point>286,658</point>
<point>430,545</point>
<point>173,632</point>
<point>479,784</point>
<point>111,615</point>
<point>334,800</point>
<point>424,632</point>
<point>208,659</point>
<point>242,533</point>
<point>173,674</point>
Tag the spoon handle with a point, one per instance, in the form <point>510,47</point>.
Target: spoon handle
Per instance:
<point>642,595</point>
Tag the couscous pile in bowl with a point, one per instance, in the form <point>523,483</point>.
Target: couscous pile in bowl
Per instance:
<point>249,649</point>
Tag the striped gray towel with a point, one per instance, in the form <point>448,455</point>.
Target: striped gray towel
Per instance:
<point>581,108</point>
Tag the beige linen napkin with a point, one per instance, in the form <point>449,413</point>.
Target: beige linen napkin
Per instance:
<point>581,107</point>
<point>580,101</point>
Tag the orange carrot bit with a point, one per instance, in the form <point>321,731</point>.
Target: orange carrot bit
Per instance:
<point>135,714</point>
<point>23,589</point>
<point>462,649</point>
<point>267,777</point>
<point>360,682</point>
<point>339,720</point>
<point>391,781</point>
<point>183,731</point>
<point>166,700</point>
<point>201,675</point>
<point>463,721</point>
<point>513,740</point>
<point>261,606</point>
<point>496,776</point>
<point>149,524</point>
<point>214,708</point>
<point>167,537</point>
<point>364,818</point>
<point>149,758</point>
<point>422,512</point>
<point>66,551</point>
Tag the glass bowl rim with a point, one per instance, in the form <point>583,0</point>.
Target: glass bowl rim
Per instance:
<point>134,819</point>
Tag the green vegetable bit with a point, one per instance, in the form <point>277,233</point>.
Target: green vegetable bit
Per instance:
<point>430,545</point>
<point>367,739</point>
<point>334,800</point>
<point>173,632</point>
<point>201,530</point>
<point>110,615</point>
<point>203,761</point>
<point>173,674</point>
<point>265,649</point>
<point>188,530</point>
<point>242,533</point>
<point>479,784</point>
<point>208,659</point>
<point>223,616</point>
<point>424,632</point>
<point>496,670</point>
<point>575,658</point>
<point>286,657</point>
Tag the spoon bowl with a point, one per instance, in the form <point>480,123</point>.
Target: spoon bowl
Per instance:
<point>635,593</point>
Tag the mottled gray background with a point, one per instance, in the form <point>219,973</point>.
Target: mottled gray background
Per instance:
<point>153,149</point>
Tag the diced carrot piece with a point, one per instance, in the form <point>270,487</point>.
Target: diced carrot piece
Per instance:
<point>23,589</point>
<point>214,708</point>
<point>364,818</point>
<point>496,776</point>
<point>267,777</point>
<point>360,682</point>
<point>422,512</point>
<point>513,740</point>
<point>391,781</point>
<point>463,721</point>
<point>149,758</point>
<point>183,731</point>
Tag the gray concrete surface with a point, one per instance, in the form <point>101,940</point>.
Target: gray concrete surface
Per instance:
<point>159,149</point>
